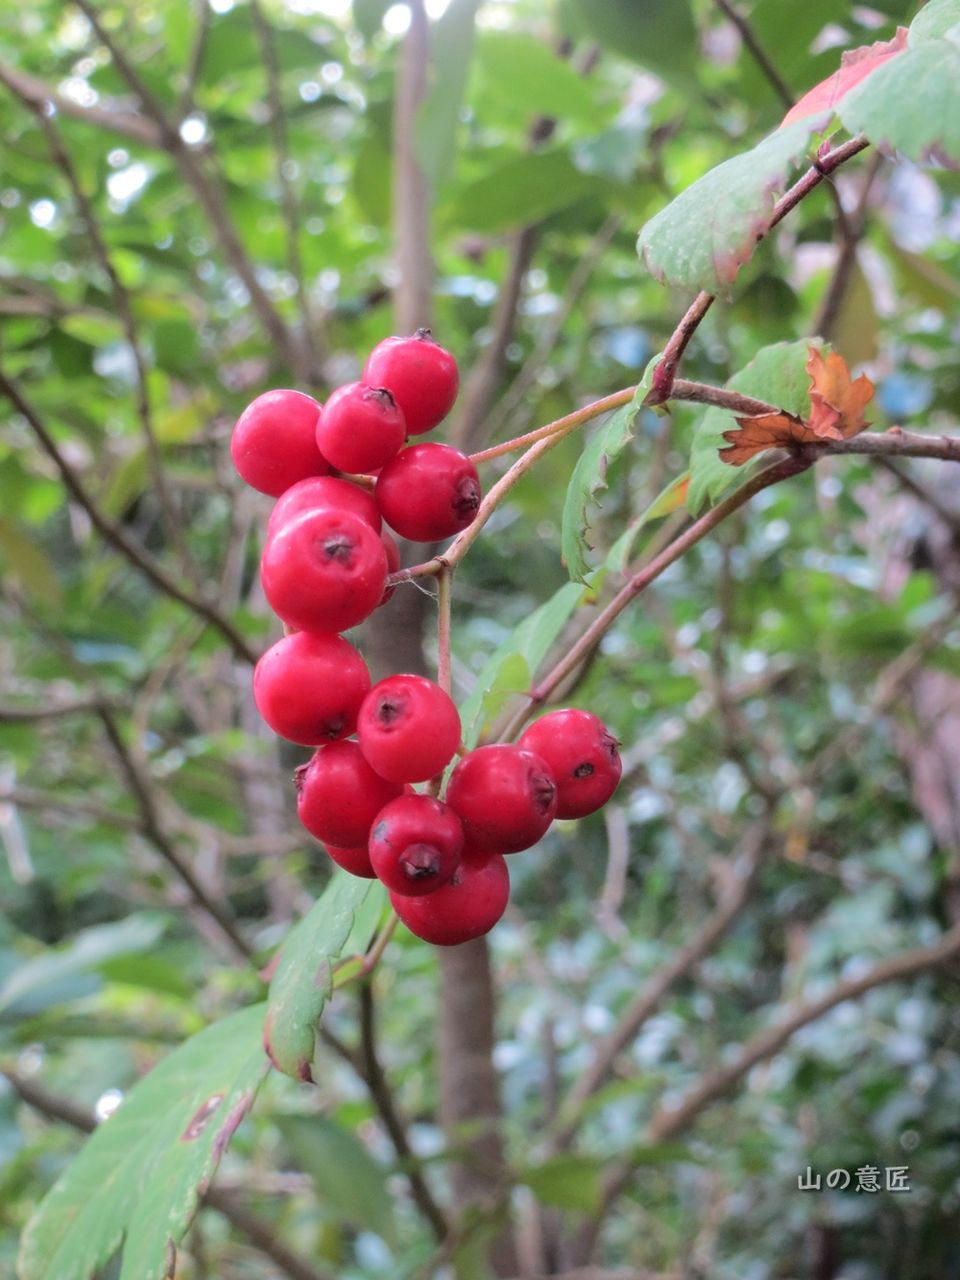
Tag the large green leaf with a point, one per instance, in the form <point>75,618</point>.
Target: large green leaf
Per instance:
<point>140,1176</point>
<point>912,102</point>
<point>66,972</point>
<point>934,20</point>
<point>776,374</point>
<point>451,44</point>
<point>522,190</point>
<point>704,236</point>
<point>658,34</point>
<point>303,978</point>
<point>348,1180</point>
<point>516,659</point>
<point>524,77</point>
<point>568,1182</point>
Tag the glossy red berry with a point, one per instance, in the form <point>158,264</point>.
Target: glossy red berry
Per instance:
<point>506,797</point>
<point>360,428</point>
<point>429,491</point>
<point>408,728</point>
<point>415,844</point>
<point>582,755</point>
<point>420,374</point>
<point>309,688</point>
<point>466,907</point>
<point>324,570</point>
<point>274,443</point>
<point>356,861</point>
<point>393,561</point>
<point>324,491</point>
<point>339,795</point>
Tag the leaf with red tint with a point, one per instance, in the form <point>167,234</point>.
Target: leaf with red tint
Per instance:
<point>836,413</point>
<point>855,65</point>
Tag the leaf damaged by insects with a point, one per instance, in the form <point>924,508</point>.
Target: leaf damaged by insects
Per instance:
<point>837,405</point>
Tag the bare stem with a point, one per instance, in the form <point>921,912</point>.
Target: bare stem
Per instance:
<point>444,602</point>
<point>560,425</point>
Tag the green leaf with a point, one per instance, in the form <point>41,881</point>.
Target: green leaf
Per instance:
<point>139,1178</point>
<point>704,236</point>
<point>658,34</point>
<point>435,130</point>
<point>934,20</point>
<point>126,484</point>
<point>28,563</point>
<point>524,76</point>
<point>51,977</point>
<point>368,16</point>
<point>912,102</point>
<point>303,979</point>
<point>567,1182</point>
<point>523,190</point>
<point>776,374</point>
<point>530,641</point>
<point>590,476</point>
<point>347,1178</point>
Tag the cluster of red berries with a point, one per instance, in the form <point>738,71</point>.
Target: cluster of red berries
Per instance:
<point>324,569</point>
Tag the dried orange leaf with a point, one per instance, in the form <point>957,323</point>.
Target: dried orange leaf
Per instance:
<point>836,413</point>
<point>855,65</point>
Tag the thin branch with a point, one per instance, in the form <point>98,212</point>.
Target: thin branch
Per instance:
<point>121,300</point>
<point>154,832</point>
<point>11,713</point>
<point>38,94</point>
<point>373,1073</point>
<point>288,196</point>
<point>742,879</point>
<point>114,533</point>
<point>444,601</point>
<point>897,443</point>
<point>760,55</point>
<point>209,194</point>
<point>46,802</point>
<point>721,397</point>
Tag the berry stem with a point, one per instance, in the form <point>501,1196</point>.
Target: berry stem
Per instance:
<point>444,603</point>
<point>373,956</point>
<point>561,425</point>
<point>546,438</point>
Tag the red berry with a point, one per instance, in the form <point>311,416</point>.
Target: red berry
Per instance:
<point>339,795</point>
<point>506,797</point>
<point>393,561</point>
<point>324,570</point>
<point>420,374</point>
<point>468,906</point>
<point>360,428</point>
<point>309,688</point>
<point>274,443</point>
<point>408,728</point>
<point>324,491</point>
<point>415,844</point>
<point>428,491</point>
<point>582,755</point>
<point>356,861</point>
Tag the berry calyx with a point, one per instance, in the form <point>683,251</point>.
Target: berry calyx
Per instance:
<point>506,797</point>
<point>466,907</point>
<point>408,728</point>
<point>309,688</point>
<point>415,844</point>
<point>360,428</point>
<point>582,755</point>
<point>324,491</point>
<point>356,861</point>
<point>339,795</point>
<point>324,570</point>
<point>420,374</point>
<point>428,492</point>
<point>274,443</point>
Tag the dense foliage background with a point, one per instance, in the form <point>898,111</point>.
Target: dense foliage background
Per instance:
<point>787,697</point>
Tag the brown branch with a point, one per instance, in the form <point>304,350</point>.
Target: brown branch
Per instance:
<point>38,94</point>
<point>897,443</point>
<point>114,533</point>
<point>663,376</point>
<point>742,879</point>
<point>209,194</point>
<point>760,55</point>
<point>45,802</point>
<point>372,1072</point>
<point>11,713</point>
<point>153,830</point>
<point>258,1232</point>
